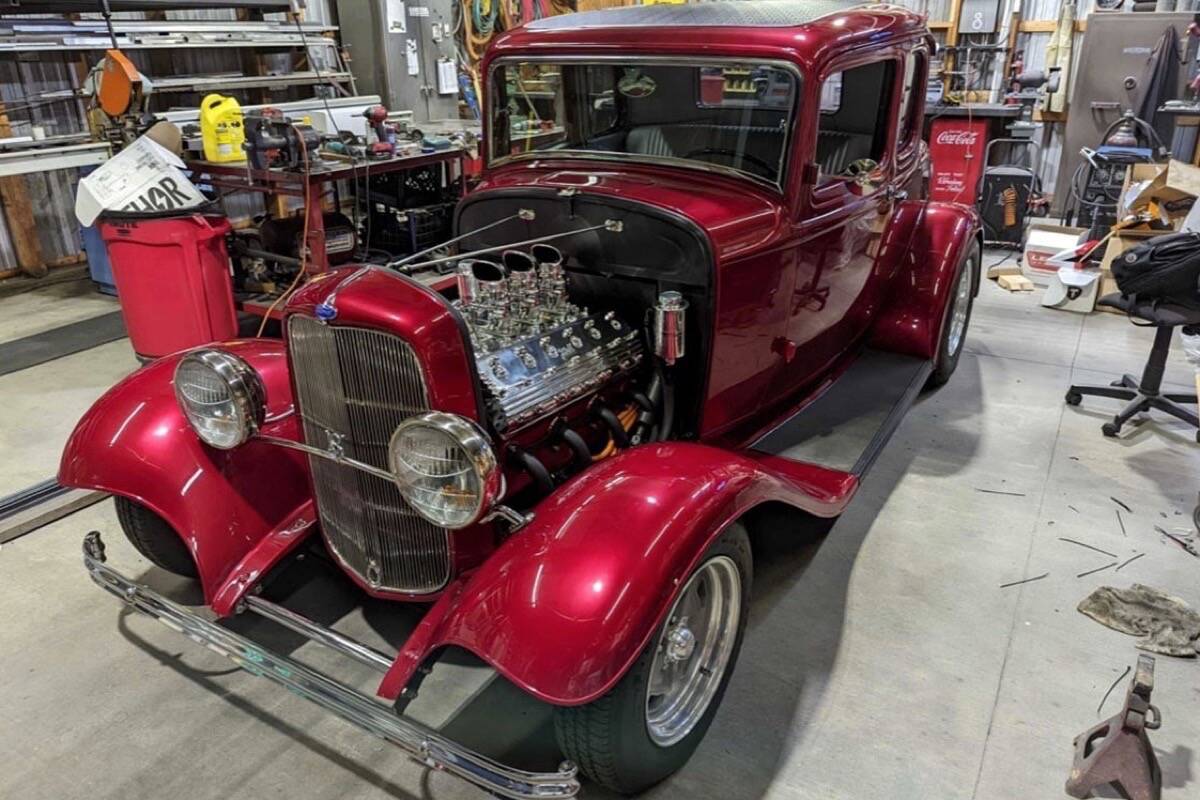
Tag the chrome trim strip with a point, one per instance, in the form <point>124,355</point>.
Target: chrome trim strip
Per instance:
<point>372,716</point>
<point>683,163</point>
<point>329,455</point>
<point>363,654</point>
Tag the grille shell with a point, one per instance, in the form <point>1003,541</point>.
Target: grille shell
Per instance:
<point>353,387</point>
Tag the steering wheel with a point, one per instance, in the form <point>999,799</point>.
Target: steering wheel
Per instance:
<point>766,169</point>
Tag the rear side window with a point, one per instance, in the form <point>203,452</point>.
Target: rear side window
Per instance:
<point>855,106</point>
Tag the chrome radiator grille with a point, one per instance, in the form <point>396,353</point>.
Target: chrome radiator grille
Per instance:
<point>354,386</point>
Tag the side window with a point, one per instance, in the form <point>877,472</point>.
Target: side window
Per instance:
<point>853,133</point>
<point>913,89</point>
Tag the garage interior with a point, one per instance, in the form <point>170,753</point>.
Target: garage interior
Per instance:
<point>926,642</point>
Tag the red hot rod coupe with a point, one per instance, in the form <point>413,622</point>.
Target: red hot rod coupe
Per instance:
<point>696,279</point>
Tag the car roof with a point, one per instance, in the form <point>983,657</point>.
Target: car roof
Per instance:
<point>806,32</point>
<point>735,13</point>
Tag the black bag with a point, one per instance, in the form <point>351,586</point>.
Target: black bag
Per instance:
<point>1165,268</point>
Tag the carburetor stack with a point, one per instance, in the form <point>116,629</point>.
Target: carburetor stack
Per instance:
<point>536,350</point>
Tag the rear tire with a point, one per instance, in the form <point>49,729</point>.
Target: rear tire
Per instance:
<point>610,738</point>
<point>953,337</point>
<point>154,538</point>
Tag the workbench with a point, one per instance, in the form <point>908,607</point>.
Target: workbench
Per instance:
<point>311,186</point>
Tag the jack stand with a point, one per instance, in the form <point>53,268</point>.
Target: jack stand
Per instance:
<point>1118,751</point>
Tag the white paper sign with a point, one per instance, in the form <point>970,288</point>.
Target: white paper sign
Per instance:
<point>395,17</point>
<point>414,65</point>
<point>145,176</point>
<point>447,77</point>
<point>419,11</point>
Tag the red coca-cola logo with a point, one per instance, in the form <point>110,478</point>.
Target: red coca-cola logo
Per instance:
<point>961,138</point>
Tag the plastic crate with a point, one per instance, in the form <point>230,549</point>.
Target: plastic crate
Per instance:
<point>409,230</point>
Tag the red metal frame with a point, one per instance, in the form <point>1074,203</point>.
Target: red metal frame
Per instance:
<point>565,605</point>
<point>311,187</point>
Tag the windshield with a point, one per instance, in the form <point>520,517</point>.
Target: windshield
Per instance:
<point>731,115</point>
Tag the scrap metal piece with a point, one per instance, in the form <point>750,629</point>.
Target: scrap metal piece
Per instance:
<point>1117,752</point>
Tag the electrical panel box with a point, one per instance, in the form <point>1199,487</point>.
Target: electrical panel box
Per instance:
<point>978,16</point>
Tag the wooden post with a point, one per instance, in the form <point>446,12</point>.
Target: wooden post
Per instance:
<point>950,60</point>
<point>22,229</point>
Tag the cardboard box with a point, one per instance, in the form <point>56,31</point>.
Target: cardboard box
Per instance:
<point>1043,241</point>
<point>1169,185</point>
<point>1118,243</point>
<point>1108,285</point>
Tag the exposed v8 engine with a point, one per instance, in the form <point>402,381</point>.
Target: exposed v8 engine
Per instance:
<point>535,350</point>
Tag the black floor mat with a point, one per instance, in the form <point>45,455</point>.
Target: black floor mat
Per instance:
<point>49,345</point>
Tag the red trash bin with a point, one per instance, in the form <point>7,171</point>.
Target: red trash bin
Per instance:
<point>172,278</point>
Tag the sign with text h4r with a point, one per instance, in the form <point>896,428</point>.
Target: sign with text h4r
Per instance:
<point>145,177</point>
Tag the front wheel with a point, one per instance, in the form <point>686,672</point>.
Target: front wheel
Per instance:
<point>154,538</point>
<point>956,320</point>
<point>648,725</point>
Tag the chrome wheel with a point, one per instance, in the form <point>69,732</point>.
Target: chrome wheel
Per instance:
<point>693,651</point>
<point>960,309</point>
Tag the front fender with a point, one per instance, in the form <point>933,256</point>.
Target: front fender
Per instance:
<point>135,442</point>
<point>938,236</point>
<point>565,606</point>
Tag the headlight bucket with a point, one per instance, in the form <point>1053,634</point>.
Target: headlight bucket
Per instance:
<point>221,395</point>
<point>445,468</point>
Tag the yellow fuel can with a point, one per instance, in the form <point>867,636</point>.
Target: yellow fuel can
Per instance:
<point>222,129</point>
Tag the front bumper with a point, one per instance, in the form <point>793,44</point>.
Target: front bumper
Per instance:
<point>421,743</point>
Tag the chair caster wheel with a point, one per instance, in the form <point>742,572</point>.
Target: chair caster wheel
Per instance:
<point>1074,398</point>
<point>1110,429</point>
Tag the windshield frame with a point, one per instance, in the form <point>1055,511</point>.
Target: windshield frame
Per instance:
<point>785,160</point>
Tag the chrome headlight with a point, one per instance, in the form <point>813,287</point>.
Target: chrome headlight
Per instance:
<point>221,395</point>
<point>445,468</point>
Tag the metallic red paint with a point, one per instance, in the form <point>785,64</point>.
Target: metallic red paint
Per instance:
<point>136,443</point>
<point>563,607</point>
<point>372,297</point>
<point>270,550</point>
<point>941,235</point>
<point>800,277</point>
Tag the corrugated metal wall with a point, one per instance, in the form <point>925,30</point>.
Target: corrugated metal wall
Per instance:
<point>22,82</point>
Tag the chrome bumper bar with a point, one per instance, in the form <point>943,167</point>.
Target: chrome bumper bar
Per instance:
<point>423,744</point>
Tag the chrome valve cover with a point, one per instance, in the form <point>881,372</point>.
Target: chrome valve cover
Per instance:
<point>535,349</point>
<point>534,376</point>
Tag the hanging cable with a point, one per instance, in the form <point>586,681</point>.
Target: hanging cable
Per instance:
<point>295,284</point>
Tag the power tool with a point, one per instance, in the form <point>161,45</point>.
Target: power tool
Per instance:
<point>385,133</point>
<point>274,141</point>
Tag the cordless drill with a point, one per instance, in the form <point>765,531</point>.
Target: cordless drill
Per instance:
<point>376,117</point>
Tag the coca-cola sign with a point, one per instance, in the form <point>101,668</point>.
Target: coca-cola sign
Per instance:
<point>956,147</point>
<point>958,138</point>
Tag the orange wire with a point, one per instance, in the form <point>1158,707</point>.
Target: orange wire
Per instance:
<point>627,418</point>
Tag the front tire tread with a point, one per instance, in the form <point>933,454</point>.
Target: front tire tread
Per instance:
<point>154,538</point>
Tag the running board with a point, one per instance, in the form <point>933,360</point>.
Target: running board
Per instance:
<point>39,505</point>
<point>847,426</point>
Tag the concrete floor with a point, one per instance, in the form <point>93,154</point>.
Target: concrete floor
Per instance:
<point>883,659</point>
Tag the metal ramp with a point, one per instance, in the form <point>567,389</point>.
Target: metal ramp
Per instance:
<point>846,427</point>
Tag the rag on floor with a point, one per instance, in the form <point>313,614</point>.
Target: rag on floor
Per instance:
<point>1166,624</point>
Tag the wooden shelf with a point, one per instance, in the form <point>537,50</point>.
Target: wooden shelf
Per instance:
<point>1047,25</point>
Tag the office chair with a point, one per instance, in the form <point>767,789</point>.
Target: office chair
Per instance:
<point>1146,393</point>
